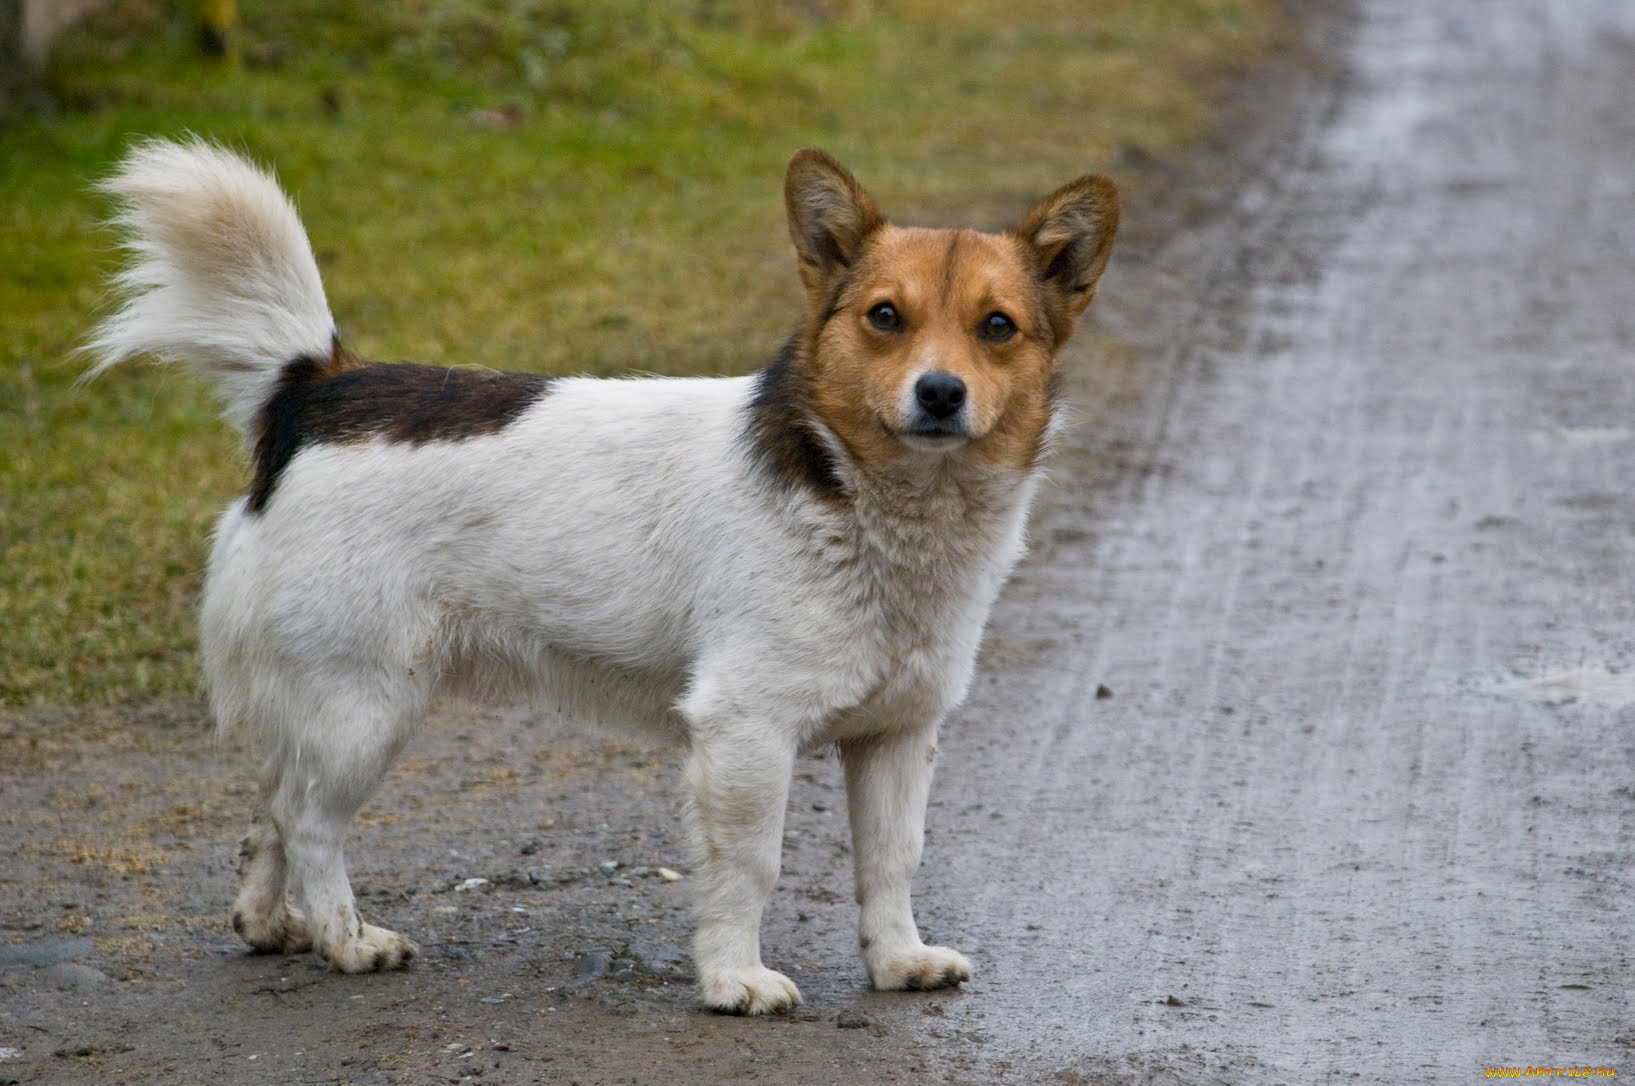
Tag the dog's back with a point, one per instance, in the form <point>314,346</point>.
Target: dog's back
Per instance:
<point>611,529</point>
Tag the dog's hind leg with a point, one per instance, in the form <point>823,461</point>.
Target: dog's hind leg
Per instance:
<point>328,773</point>
<point>888,780</point>
<point>262,914</point>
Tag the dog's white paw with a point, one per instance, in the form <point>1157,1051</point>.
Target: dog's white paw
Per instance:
<point>283,932</point>
<point>919,968</point>
<point>370,951</point>
<point>752,989</point>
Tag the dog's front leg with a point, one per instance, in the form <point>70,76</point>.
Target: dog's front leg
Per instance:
<point>888,779</point>
<point>739,772</point>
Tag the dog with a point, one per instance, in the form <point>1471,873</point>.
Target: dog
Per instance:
<point>752,566</point>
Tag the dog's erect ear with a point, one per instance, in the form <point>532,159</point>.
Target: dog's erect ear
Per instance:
<point>1071,236</point>
<point>829,216</point>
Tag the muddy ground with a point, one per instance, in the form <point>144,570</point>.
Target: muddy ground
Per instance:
<point>1304,745</point>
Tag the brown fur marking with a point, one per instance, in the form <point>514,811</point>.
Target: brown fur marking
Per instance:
<point>944,284</point>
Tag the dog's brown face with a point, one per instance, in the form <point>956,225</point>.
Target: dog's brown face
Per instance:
<point>940,340</point>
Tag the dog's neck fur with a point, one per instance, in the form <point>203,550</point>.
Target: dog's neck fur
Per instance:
<point>936,512</point>
<point>918,539</point>
<point>935,492</point>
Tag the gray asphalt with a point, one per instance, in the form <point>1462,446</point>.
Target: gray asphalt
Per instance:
<point>1357,571</point>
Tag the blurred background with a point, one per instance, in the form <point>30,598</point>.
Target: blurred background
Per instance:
<point>563,186</point>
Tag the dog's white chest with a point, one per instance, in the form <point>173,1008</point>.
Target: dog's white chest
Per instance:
<point>923,587</point>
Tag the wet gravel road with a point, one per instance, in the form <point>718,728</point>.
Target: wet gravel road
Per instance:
<point>1363,586</point>
<point>1303,750</point>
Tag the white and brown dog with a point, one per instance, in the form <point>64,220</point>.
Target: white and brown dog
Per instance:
<point>753,566</point>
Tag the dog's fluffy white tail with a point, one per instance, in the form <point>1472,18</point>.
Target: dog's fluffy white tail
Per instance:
<point>222,277</point>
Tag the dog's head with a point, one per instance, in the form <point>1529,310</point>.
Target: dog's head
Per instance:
<point>935,341</point>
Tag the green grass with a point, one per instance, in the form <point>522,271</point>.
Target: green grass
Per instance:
<point>629,219</point>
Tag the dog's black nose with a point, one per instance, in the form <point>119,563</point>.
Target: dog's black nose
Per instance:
<point>940,394</point>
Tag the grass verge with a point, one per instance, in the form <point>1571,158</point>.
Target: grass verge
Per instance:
<point>573,186</point>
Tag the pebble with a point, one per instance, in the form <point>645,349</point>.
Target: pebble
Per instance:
<point>609,866</point>
<point>472,884</point>
<point>663,959</point>
<point>593,966</point>
<point>668,875</point>
<point>851,1020</point>
<point>74,975</point>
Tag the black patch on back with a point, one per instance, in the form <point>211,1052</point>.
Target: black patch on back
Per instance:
<point>779,429</point>
<point>338,399</point>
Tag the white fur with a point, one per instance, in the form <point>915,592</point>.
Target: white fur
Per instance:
<point>222,278</point>
<point>617,549</point>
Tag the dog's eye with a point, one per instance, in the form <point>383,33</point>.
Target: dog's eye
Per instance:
<point>997,328</point>
<point>885,318</point>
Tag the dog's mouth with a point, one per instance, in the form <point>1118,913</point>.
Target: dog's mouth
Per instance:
<point>931,435</point>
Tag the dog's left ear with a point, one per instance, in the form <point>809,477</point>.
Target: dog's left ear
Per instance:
<point>1070,235</point>
<point>829,217</point>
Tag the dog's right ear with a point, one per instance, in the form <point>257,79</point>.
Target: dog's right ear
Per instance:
<point>829,217</point>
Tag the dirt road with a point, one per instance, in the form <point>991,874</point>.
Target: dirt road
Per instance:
<point>1303,751</point>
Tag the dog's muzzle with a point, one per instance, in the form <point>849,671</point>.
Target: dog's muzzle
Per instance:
<point>937,418</point>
